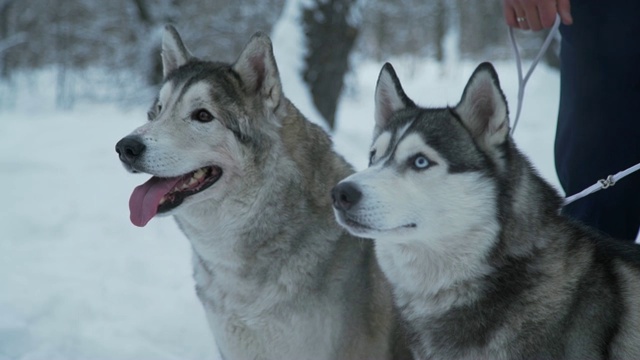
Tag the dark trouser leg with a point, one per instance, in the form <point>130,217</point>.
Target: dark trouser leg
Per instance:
<point>599,118</point>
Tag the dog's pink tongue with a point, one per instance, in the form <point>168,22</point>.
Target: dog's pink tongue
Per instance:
<point>145,199</point>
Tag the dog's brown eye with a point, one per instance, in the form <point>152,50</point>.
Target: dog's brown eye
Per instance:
<point>201,115</point>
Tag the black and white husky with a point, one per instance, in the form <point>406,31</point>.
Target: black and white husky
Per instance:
<point>482,264</point>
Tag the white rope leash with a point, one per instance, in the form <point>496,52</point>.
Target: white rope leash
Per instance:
<point>601,184</point>
<point>522,82</point>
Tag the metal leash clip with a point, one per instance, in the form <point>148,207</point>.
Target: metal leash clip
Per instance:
<point>609,181</point>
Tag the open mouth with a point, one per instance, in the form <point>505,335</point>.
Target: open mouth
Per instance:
<point>189,184</point>
<point>159,195</point>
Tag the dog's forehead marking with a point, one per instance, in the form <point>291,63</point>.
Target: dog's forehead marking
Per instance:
<point>409,146</point>
<point>381,144</point>
<point>196,93</point>
<point>165,92</point>
<point>170,93</point>
<point>404,129</point>
<point>394,140</point>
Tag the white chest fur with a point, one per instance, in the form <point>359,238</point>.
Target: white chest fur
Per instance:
<point>252,321</point>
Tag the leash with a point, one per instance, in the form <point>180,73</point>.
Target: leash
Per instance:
<point>522,82</point>
<point>601,184</point>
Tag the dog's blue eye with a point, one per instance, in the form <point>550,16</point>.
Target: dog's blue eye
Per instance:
<point>201,115</point>
<point>420,162</point>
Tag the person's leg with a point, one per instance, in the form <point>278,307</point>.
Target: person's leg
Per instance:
<point>598,130</point>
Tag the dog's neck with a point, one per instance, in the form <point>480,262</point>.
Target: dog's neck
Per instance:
<point>435,274</point>
<point>528,206</point>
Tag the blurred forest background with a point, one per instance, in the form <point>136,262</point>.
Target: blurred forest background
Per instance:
<point>116,43</point>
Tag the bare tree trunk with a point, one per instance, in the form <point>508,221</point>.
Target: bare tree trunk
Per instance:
<point>145,24</point>
<point>4,34</point>
<point>441,27</point>
<point>330,39</point>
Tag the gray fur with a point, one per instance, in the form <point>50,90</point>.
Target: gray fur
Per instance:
<point>278,278</point>
<point>482,264</point>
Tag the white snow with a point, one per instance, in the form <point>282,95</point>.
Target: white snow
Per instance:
<point>79,281</point>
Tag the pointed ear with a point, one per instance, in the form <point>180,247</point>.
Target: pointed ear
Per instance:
<point>389,97</point>
<point>174,53</point>
<point>258,70</point>
<point>483,108</point>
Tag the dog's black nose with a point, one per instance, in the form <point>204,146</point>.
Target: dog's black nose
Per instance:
<point>130,148</point>
<point>345,195</point>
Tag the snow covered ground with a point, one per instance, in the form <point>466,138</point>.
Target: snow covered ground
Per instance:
<point>78,281</point>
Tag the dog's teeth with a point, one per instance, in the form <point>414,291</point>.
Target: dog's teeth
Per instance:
<point>162,201</point>
<point>199,174</point>
<point>192,181</point>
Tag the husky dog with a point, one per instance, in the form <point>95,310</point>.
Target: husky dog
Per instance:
<point>481,263</point>
<point>247,179</point>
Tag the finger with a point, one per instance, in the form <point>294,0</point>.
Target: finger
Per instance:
<point>564,9</point>
<point>513,14</point>
<point>522,22</point>
<point>533,18</point>
<point>509,15</point>
<point>547,13</point>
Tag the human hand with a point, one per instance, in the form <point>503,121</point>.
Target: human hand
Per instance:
<point>536,14</point>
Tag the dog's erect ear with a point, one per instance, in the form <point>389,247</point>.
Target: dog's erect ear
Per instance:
<point>258,70</point>
<point>174,53</point>
<point>389,97</point>
<point>483,108</point>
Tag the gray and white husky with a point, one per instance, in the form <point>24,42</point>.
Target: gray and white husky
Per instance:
<point>468,234</point>
<point>248,179</point>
